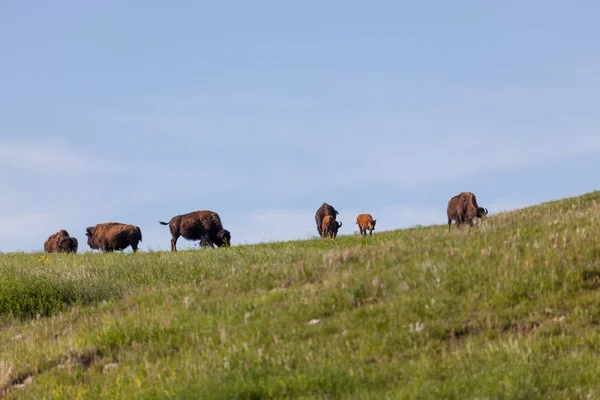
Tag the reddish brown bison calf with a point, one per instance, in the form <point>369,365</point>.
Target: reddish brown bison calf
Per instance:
<point>329,227</point>
<point>323,211</point>
<point>366,222</point>
<point>61,242</point>
<point>463,208</point>
<point>200,225</point>
<point>113,236</point>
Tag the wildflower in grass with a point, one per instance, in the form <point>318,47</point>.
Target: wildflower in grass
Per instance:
<point>417,327</point>
<point>43,260</point>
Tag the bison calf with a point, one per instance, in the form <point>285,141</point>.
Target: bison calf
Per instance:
<point>61,242</point>
<point>200,225</point>
<point>329,227</point>
<point>463,208</point>
<point>113,236</point>
<point>366,222</point>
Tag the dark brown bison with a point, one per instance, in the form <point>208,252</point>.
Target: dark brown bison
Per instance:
<point>61,242</point>
<point>323,211</point>
<point>463,208</point>
<point>366,222</point>
<point>200,225</point>
<point>329,227</point>
<point>113,236</point>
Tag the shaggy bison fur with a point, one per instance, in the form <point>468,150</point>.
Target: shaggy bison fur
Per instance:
<point>463,208</point>
<point>329,227</point>
<point>366,222</point>
<point>60,242</point>
<point>113,236</point>
<point>321,213</point>
<point>203,225</point>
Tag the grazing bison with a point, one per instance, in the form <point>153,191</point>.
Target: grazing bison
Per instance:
<point>113,236</point>
<point>329,227</point>
<point>61,242</point>
<point>200,225</point>
<point>463,208</point>
<point>366,222</point>
<point>323,211</point>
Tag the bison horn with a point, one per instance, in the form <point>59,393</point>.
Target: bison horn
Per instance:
<point>486,211</point>
<point>339,224</point>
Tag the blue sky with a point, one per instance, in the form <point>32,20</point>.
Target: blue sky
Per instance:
<point>138,111</point>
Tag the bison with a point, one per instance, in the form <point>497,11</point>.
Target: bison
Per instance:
<point>200,225</point>
<point>463,208</point>
<point>329,227</point>
<point>61,242</point>
<point>366,222</point>
<point>113,236</point>
<point>323,211</point>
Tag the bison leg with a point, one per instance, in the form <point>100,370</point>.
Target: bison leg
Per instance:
<point>174,242</point>
<point>134,246</point>
<point>371,232</point>
<point>449,223</point>
<point>205,241</point>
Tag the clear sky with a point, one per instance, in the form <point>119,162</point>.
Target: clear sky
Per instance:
<point>135,111</point>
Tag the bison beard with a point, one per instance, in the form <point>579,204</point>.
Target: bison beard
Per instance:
<point>113,236</point>
<point>321,213</point>
<point>200,225</point>
<point>61,242</point>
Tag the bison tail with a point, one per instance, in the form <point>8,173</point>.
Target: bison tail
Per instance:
<point>163,223</point>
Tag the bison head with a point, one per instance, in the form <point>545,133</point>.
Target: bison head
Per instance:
<point>372,225</point>
<point>67,245</point>
<point>481,212</point>
<point>224,238</point>
<point>89,232</point>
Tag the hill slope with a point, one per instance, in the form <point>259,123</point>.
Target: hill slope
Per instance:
<point>506,310</point>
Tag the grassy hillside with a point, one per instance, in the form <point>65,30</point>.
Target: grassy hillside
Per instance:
<point>509,309</point>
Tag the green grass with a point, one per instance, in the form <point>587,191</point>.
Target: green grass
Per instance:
<point>508,309</point>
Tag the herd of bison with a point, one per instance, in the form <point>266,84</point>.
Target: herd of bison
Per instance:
<point>206,226</point>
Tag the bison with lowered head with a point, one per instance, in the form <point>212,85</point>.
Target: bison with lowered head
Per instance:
<point>366,222</point>
<point>200,225</point>
<point>329,227</point>
<point>321,213</point>
<point>463,208</point>
<point>113,236</point>
<point>61,242</point>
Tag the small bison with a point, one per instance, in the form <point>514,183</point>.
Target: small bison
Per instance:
<point>463,208</point>
<point>329,227</point>
<point>366,222</point>
<point>321,213</point>
<point>200,225</point>
<point>61,242</point>
<point>113,236</point>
